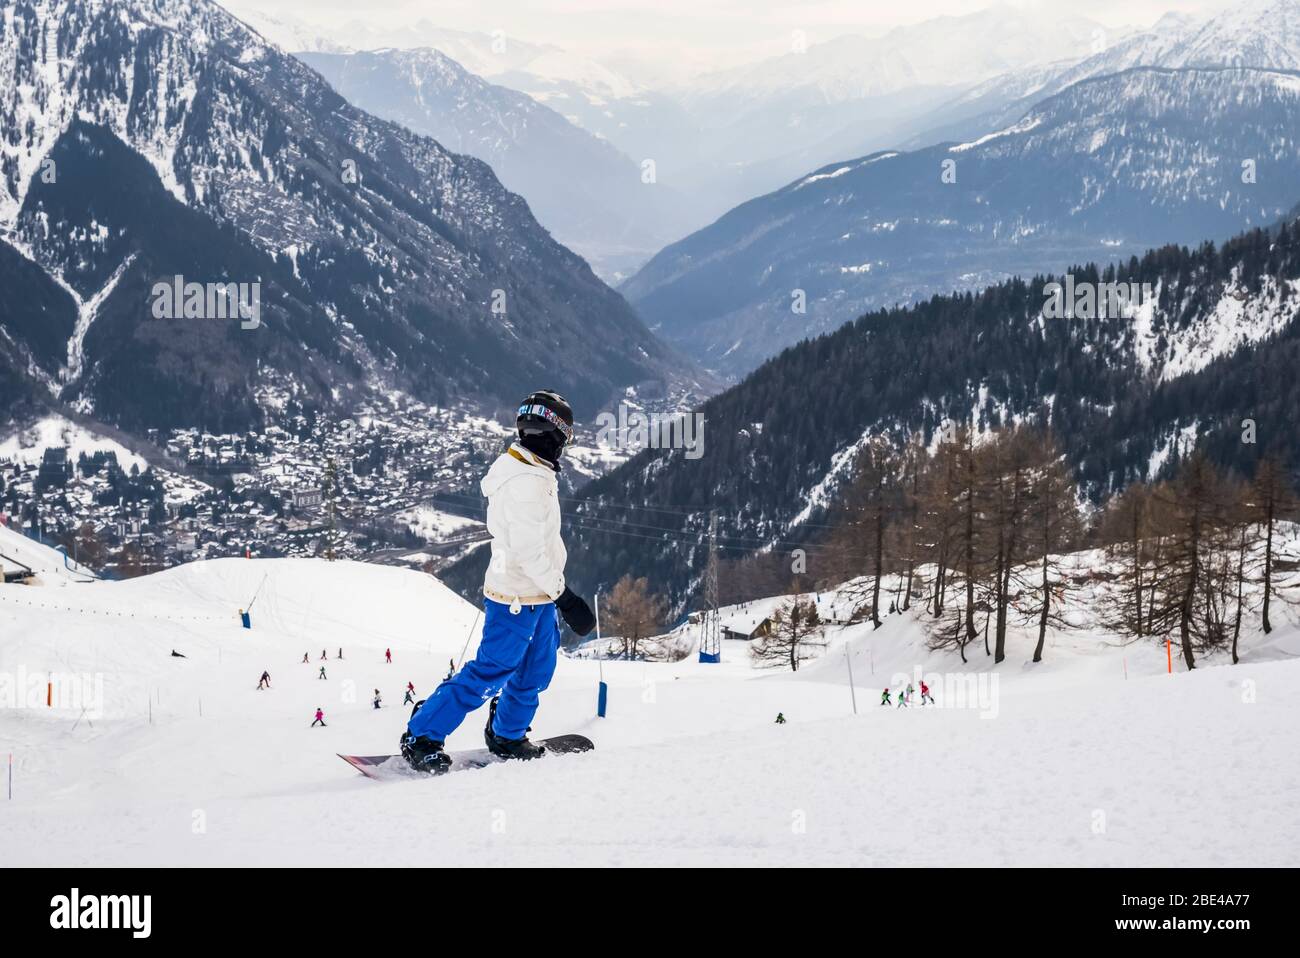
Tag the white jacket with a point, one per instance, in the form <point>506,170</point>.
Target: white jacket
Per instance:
<point>523,518</point>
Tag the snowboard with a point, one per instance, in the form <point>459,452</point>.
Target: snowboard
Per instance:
<point>389,767</point>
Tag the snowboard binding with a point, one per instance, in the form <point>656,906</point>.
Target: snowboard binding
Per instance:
<point>516,748</point>
<point>423,753</point>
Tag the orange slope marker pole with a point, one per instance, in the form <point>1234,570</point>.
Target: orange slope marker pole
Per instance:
<point>1169,655</point>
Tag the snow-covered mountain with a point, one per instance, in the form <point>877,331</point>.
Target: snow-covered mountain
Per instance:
<point>1256,33</point>
<point>151,139</point>
<point>483,54</point>
<point>765,123</point>
<point>951,51</point>
<point>586,192</point>
<point>1106,168</point>
<point>728,135</point>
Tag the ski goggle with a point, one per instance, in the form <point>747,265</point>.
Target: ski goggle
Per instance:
<point>551,416</point>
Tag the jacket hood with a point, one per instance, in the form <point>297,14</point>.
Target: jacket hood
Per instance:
<point>507,467</point>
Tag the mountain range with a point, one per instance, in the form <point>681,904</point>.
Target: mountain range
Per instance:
<point>149,139</point>
<point>589,194</point>
<point>1210,351</point>
<point>1107,167</point>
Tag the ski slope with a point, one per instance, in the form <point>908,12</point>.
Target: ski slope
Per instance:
<point>1092,757</point>
<point>49,566</point>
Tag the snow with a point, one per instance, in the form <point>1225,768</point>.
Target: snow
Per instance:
<point>1024,126</point>
<point>689,767</point>
<point>50,567</point>
<point>27,445</point>
<point>1239,318</point>
<point>434,525</point>
<point>824,176</point>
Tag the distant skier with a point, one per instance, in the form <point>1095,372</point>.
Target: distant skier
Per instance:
<point>377,698</point>
<point>451,670</point>
<point>304,658</point>
<point>319,720</point>
<point>885,699</point>
<point>323,655</point>
<point>340,652</point>
<point>408,698</point>
<point>902,699</point>
<point>388,656</point>
<point>523,590</point>
<point>780,718</point>
<point>265,681</point>
<point>925,693</point>
<point>322,672</point>
<point>177,655</point>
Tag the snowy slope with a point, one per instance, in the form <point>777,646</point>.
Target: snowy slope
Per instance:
<point>29,444</point>
<point>49,566</point>
<point>689,768</point>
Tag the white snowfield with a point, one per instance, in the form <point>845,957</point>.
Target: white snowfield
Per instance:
<point>182,761</point>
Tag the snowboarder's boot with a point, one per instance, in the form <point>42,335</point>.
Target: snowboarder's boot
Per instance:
<point>424,754</point>
<point>519,748</point>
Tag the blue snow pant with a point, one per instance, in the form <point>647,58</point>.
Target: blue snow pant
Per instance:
<point>516,658</point>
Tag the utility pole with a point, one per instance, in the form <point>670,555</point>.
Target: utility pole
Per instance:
<point>711,643</point>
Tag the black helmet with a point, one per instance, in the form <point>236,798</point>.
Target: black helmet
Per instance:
<point>546,415</point>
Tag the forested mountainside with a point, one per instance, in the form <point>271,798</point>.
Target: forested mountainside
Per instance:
<point>1127,396</point>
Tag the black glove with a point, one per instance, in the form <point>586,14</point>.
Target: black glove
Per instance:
<point>576,612</point>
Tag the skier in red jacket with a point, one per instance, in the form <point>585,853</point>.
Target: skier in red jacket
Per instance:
<point>925,694</point>
<point>388,656</point>
<point>320,718</point>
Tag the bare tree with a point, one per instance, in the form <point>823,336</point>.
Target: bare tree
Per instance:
<point>793,623</point>
<point>1271,496</point>
<point>1053,523</point>
<point>869,507</point>
<point>632,613</point>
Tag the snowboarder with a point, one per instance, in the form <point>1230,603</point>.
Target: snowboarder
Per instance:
<point>523,590</point>
<point>925,693</point>
<point>265,681</point>
<point>780,718</point>
<point>885,699</point>
<point>377,699</point>
<point>320,719</point>
<point>322,672</point>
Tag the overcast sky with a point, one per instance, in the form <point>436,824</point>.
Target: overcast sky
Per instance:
<point>726,29</point>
